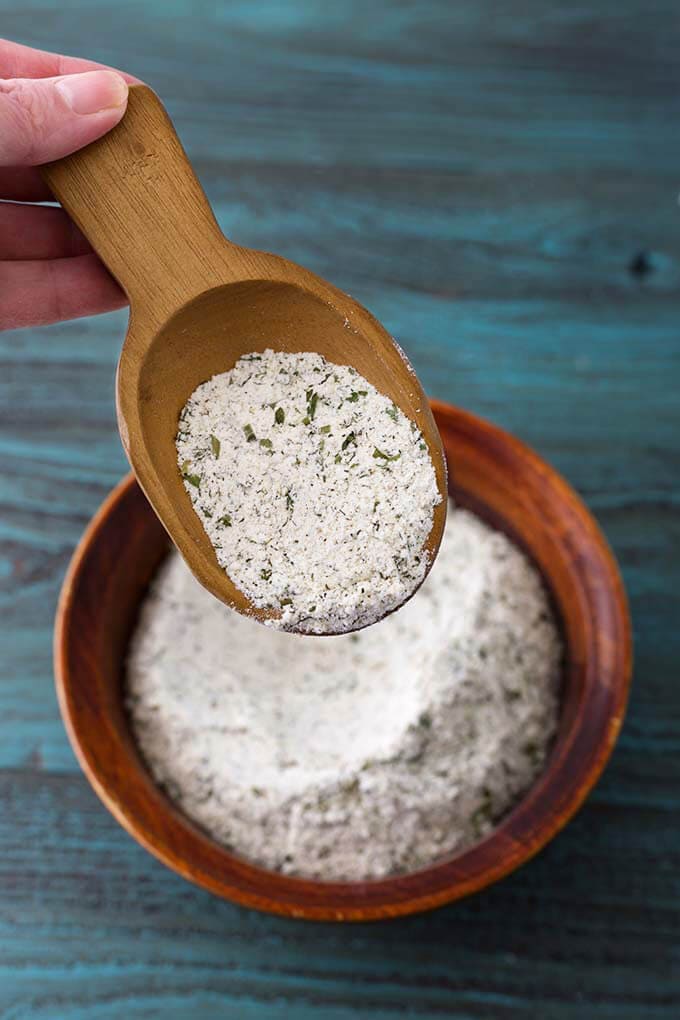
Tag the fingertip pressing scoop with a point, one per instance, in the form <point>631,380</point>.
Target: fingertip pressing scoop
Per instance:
<point>198,303</point>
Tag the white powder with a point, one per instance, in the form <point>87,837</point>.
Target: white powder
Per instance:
<point>315,490</point>
<point>360,755</point>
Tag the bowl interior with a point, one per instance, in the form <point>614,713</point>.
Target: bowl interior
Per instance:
<point>492,474</point>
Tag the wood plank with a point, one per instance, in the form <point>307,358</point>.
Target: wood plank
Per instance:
<point>484,177</point>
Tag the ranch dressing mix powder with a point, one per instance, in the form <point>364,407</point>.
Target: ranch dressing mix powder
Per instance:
<point>358,756</point>
<point>316,491</point>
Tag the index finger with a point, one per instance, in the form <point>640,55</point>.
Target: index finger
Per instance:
<point>17,61</point>
<point>23,184</point>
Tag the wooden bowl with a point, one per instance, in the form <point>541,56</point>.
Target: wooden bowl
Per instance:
<point>491,473</point>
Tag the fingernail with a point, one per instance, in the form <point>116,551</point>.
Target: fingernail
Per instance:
<point>93,91</point>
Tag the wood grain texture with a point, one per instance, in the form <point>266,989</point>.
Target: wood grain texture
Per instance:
<point>528,152</point>
<point>198,303</point>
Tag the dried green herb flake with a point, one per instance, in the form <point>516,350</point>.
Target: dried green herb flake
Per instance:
<point>312,401</point>
<point>378,454</point>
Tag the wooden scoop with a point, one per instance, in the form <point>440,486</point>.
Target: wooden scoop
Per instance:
<point>199,302</point>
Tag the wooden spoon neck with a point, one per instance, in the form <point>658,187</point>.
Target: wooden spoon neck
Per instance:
<point>170,277</point>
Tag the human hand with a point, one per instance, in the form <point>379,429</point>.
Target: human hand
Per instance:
<point>49,106</point>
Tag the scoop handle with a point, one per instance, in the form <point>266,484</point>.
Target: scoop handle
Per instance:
<point>135,196</point>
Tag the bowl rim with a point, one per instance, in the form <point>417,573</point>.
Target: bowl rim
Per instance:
<point>444,887</point>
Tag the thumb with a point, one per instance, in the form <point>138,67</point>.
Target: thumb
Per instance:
<point>42,119</point>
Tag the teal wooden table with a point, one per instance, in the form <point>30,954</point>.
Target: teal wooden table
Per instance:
<point>498,181</point>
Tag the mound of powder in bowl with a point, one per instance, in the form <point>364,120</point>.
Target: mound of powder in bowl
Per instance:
<point>361,755</point>
<point>316,491</point>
